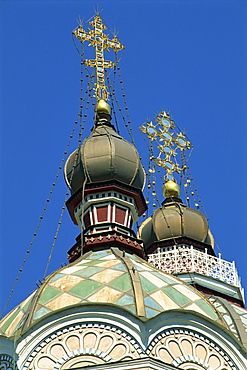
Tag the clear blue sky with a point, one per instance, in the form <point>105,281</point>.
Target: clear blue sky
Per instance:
<point>185,56</point>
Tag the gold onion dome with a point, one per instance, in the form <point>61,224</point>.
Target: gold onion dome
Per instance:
<point>104,156</point>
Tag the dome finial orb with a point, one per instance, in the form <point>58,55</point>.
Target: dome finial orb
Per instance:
<point>171,189</point>
<point>102,107</point>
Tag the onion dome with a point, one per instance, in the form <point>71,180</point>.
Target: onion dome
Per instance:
<point>104,156</point>
<point>173,220</point>
<point>112,278</point>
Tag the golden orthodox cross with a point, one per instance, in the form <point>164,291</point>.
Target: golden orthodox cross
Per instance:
<point>99,41</point>
<point>163,133</point>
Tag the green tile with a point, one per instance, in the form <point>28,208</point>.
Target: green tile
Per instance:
<point>177,297</point>
<point>119,267</point>
<point>122,283</point>
<point>153,304</point>
<point>43,311</point>
<point>133,257</point>
<point>132,309</point>
<point>150,312</point>
<point>88,271</point>
<point>91,263</point>
<point>26,305</point>
<point>207,308</point>
<point>48,294</point>
<point>11,318</point>
<point>164,277</point>
<point>85,288</point>
<point>138,268</point>
<point>130,292</point>
<point>147,286</point>
<point>125,300</point>
<point>20,324</point>
<point>221,309</point>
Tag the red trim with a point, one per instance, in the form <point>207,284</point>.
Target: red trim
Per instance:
<point>102,213</point>
<point>106,240</point>
<point>136,194</point>
<point>120,215</point>
<point>86,219</point>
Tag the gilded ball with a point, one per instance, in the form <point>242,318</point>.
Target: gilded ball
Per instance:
<point>171,189</point>
<point>102,107</point>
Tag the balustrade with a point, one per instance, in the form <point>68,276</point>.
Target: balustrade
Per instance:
<point>188,259</point>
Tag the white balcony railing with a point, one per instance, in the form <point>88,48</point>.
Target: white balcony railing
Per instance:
<point>188,259</point>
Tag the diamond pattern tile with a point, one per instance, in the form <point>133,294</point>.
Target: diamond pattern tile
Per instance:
<point>151,312</point>
<point>105,295</point>
<point>102,277</point>
<point>206,308</point>
<point>106,276</point>
<point>142,267</point>
<point>63,300</point>
<point>66,282</point>
<point>125,300</point>
<point>152,303</point>
<point>72,269</point>
<point>86,288</point>
<point>89,271</point>
<point>110,263</point>
<point>147,285</point>
<point>163,300</point>
<point>176,296</point>
<point>41,312</point>
<point>187,291</point>
<point>153,279</point>
<point>122,283</point>
<point>48,294</point>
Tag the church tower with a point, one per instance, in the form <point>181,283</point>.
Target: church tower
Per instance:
<point>156,299</point>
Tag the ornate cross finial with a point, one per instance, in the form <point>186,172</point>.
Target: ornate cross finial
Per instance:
<point>99,41</point>
<point>164,134</point>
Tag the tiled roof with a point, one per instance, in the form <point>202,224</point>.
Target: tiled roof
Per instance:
<point>109,277</point>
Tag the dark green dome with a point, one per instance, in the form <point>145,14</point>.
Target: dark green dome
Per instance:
<point>104,156</point>
<point>174,220</point>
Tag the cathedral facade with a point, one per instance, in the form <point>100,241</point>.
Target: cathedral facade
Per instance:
<point>156,299</point>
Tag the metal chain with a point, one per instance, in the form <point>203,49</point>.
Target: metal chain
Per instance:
<point>128,123</point>
<point>112,96</point>
<point>45,208</point>
<point>82,121</point>
<point>56,236</point>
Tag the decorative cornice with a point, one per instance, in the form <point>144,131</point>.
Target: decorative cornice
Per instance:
<point>109,239</point>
